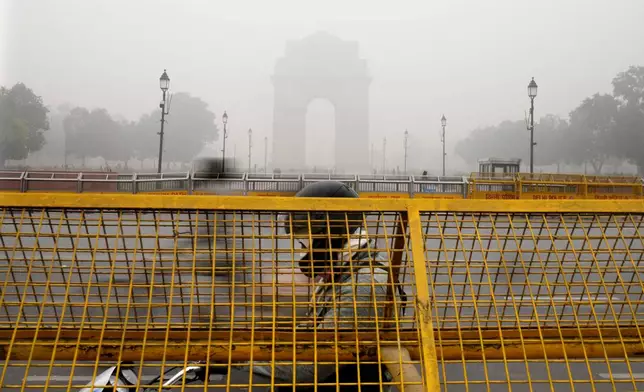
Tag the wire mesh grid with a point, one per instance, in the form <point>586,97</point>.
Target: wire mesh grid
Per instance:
<point>195,299</point>
<point>536,302</point>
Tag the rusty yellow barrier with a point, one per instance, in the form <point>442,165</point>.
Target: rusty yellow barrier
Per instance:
<point>614,188</point>
<point>384,195</point>
<point>492,186</point>
<point>542,186</point>
<point>497,295</point>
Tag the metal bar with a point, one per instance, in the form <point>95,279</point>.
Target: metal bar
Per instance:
<point>107,201</point>
<point>163,113</point>
<point>423,306</point>
<point>396,261</point>
<point>532,143</point>
<point>326,348</point>
<point>176,335</point>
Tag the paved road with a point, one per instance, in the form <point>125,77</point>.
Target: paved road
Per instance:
<point>134,253</point>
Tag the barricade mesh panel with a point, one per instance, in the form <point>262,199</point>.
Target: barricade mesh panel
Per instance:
<point>87,289</point>
<point>507,288</point>
<point>464,295</point>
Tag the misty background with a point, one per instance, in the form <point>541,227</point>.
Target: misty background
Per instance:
<point>468,60</point>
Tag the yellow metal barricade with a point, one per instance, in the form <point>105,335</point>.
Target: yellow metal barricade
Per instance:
<point>614,188</point>
<point>542,186</point>
<point>492,186</point>
<point>167,282</point>
<point>538,299</point>
<point>470,294</point>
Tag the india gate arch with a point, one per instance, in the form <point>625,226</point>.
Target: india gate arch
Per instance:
<point>321,66</point>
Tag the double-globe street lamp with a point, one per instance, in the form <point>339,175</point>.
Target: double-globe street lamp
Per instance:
<point>405,147</point>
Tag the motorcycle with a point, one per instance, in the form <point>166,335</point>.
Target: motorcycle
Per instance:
<point>123,378</point>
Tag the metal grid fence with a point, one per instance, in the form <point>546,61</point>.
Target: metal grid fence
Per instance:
<point>527,301</point>
<point>496,295</point>
<point>88,288</point>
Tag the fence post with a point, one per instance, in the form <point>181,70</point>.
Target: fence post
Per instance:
<point>398,248</point>
<point>134,176</point>
<point>465,188</point>
<point>79,183</point>
<point>411,187</point>
<point>23,182</point>
<point>423,305</point>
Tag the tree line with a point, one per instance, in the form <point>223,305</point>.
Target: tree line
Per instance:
<point>94,133</point>
<point>601,128</point>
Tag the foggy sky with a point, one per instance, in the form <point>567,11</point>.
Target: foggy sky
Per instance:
<point>471,60</point>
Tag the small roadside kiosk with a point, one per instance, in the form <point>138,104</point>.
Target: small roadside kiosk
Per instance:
<point>495,179</point>
<point>497,165</point>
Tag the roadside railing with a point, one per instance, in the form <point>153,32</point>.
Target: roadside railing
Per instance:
<point>501,186</point>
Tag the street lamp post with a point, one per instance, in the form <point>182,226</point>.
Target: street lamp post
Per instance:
<point>224,119</point>
<point>234,157</point>
<point>532,93</point>
<point>250,147</point>
<point>265,154</point>
<point>384,155</point>
<point>443,124</point>
<point>406,138</point>
<point>66,137</point>
<point>164,83</point>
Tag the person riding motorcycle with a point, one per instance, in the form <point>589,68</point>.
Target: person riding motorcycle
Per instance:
<point>346,271</point>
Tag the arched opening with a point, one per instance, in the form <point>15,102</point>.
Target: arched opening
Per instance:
<point>320,136</point>
<point>321,66</point>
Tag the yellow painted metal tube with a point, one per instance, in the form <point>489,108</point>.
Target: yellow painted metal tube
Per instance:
<point>428,347</point>
<point>551,349</point>
<point>217,350</point>
<point>451,347</point>
<point>111,201</point>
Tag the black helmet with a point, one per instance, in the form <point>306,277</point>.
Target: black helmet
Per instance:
<point>327,189</point>
<point>321,222</point>
<point>329,230</point>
